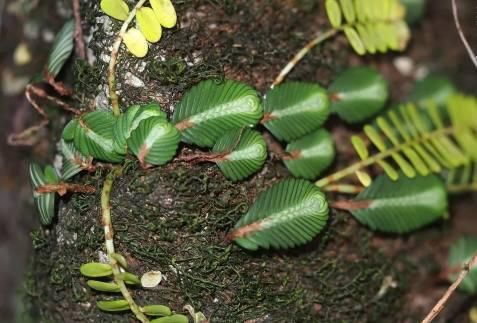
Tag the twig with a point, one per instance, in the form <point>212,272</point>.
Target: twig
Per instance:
<point>443,300</point>
<point>299,56</point>
<point>63,188</point>
<point>109,239</point>
<point>114,57</point>
<point>79,40</point>
<point>471,53</point>
<point>343,188</point>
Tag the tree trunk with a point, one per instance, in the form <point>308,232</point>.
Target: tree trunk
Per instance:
<point>175,218</point>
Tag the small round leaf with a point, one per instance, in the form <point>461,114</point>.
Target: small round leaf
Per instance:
<point>96,269</point>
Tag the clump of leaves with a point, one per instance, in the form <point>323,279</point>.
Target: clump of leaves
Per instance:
<point>149,20</point>
<point>103,278</point>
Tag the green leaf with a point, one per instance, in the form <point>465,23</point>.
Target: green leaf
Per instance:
<point>334,13</point>
<point>93,136</point>
<point>73,161</point>
<point>414,10</point>
<point>401,206</point>
<point>289,214</point>
<point>244,153</point>
<point>156,310</point>
<point>129,121</point>
<point>51,176</point>
<point>432,88</point>
<point>136,42</point>
<point>154,141</point>
<point>354,40</point>
<point>176,318</point>
<point>103,286</point>
<point>61,49</point>
<point>358,94</point>
<point>295,109</point>
<point>44,202</point>
<point>210,109</point>
<point>423,141</point>
<point>118,9</point>
<point>460,253</point>
<point>129,278</point>
<point>149,24</point>
<point>96,269</point>
<point>120,259</point>
<point>165,12</point>
<point>310,155</point>
<point>372,25</point>
<point>113,306</point>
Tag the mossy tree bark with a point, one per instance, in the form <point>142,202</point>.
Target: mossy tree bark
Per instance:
<point>175,218</point>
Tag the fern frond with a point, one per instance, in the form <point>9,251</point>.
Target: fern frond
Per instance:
<point>370,26</point>
<point>463,179</point>
<point>422,141</point>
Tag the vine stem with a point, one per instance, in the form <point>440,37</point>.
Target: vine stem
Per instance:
<point>380,156</point>
<point>114,58</point>
<point>108,235</point>
<point>301,53</point>
<point>468,48</point>
<point>443,300</point>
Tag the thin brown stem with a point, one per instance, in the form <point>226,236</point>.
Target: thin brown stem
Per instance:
<point>301,53</point>
<point>63,188</point>
<point>467,46</point>
<point>109,239</point>
<point>114,58</point>
<point>443,300</point>
<point>79,39</point>
<point>348,205</point>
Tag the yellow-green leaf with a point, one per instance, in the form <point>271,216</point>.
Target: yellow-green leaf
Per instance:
<point>355,40</point>
<point>118,9</point>
<point>364,178</point>
<point>334,13</point>
<point>136,42</point>
<point>149,24</point>
<point>165,12</point>
<point>360,147</point>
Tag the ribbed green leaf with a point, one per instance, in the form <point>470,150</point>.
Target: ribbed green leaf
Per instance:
<point>93,135</point>
<point>154,141</point>
<point>432,88</point>
<point>103,286</point>
<point>209,109</point>
<point>289,214</point>
<point>96,269</point>
<point>295,109</point>
<point>310,155</point>
<point>61,49</point>
<point>45,202</point>
<point>401,206</point>
<point>460,253</point>
<point>129,121</point>
<point>113,306</point>
<point>358,94</point>
<point>245,152</point>
<point>73,161</point>
<point>51,176</point>
<point>156,310</point>
<point>176,318</point>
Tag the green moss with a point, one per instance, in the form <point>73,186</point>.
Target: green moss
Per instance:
<point>175,219</point>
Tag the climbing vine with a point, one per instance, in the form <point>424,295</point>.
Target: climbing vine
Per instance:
<point>424,148</point>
